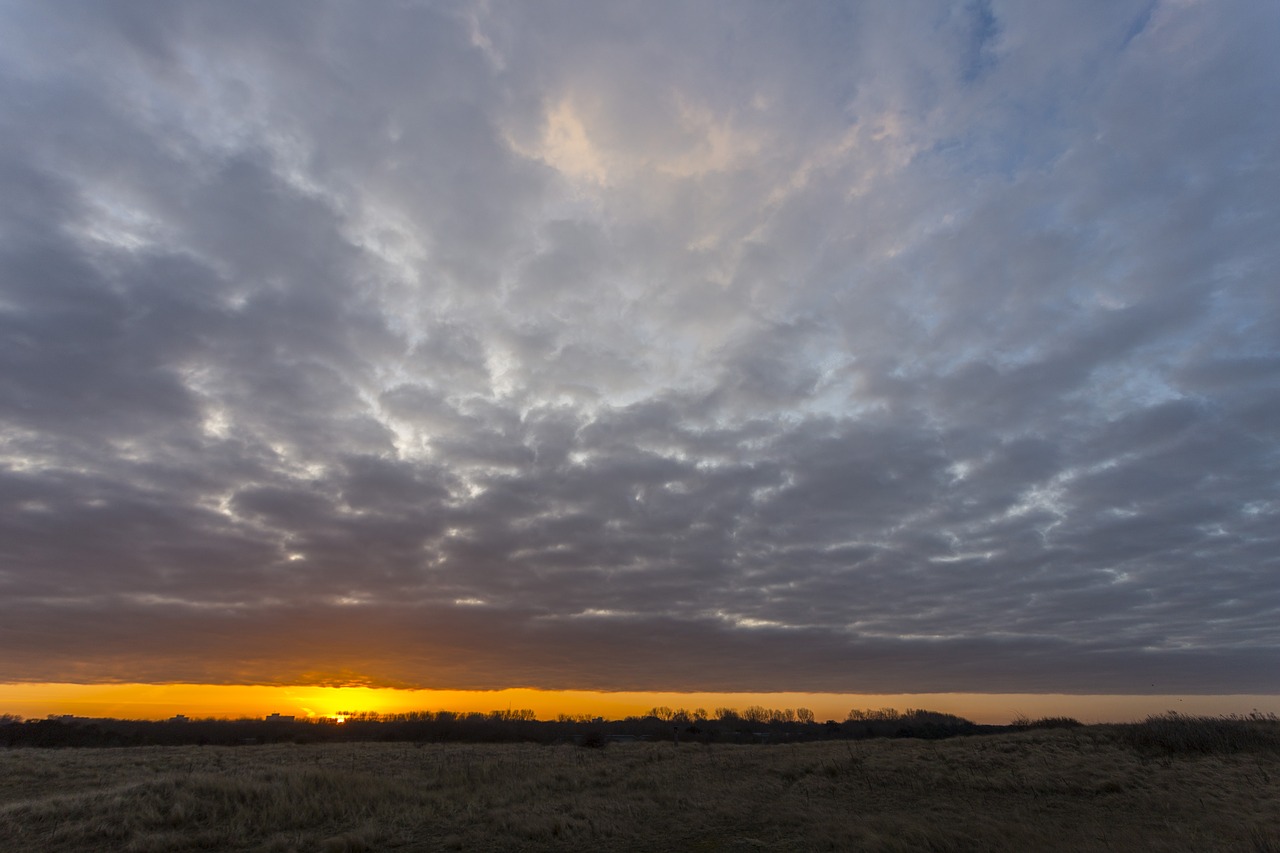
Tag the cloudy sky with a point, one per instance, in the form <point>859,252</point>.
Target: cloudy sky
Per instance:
<point>685,346</point>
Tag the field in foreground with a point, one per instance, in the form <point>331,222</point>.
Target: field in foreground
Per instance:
<point>1078,789</point>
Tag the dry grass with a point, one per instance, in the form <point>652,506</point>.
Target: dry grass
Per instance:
<point>1078,789</point>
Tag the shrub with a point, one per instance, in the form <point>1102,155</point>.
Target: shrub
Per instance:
<point>593,740</point>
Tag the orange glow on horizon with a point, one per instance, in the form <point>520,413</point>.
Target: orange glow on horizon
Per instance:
<point>161,701</point>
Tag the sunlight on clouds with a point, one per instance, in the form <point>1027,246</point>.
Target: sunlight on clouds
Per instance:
<point>121,224</point>
<point>713,144</point>
<point>566,147</point>
<point>599,613</point>
<point>708,143</point>
<point>216,423</point>
<point>961,558</point>
<point>154,600</point>
<point>474,16</point>
<point>389,234</point>
<point>750,623</point>
<point>875,147</point>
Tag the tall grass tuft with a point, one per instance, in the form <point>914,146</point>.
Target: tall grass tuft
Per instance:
<point>1049,723</point>
<point>1176,733</point>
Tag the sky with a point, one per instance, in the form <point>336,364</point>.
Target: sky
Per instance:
<point>655,347</point>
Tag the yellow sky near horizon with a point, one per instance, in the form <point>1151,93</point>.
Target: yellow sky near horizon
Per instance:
<point>160,701</point>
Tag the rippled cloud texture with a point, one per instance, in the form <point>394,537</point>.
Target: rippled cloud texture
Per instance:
<point>682,346</point>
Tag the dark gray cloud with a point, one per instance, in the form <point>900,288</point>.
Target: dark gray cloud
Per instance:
<point>674,346</point>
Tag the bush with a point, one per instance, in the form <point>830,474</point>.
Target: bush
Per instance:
<point>593,740</point>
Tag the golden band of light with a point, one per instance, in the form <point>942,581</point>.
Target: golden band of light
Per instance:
<point>160,701</point>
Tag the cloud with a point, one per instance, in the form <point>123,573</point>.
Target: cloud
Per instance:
<point>607,347</point>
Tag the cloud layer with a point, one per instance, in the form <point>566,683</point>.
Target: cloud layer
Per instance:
<point>720,346</point>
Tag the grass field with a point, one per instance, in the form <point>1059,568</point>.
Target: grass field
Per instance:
<point>1093,788</point>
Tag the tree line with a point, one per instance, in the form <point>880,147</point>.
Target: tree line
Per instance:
<point>754,724</point>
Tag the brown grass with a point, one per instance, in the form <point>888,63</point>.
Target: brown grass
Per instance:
<point>1044,789</point>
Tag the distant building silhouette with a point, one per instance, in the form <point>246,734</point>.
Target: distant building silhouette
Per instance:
<point>279,718</point>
